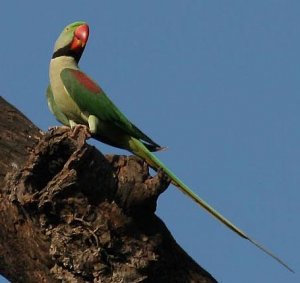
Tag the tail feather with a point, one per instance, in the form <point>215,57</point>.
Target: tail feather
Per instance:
<point>139,149</point>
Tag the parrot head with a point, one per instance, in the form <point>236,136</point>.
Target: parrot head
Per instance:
<point>72,40</point>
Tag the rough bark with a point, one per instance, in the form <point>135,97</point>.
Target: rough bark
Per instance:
<point>70,214</point>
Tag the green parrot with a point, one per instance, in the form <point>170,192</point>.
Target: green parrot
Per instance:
<point>75,99</point>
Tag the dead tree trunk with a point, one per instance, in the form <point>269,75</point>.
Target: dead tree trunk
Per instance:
<point>70,214</point>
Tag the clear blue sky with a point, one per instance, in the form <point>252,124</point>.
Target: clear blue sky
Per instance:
<point>218,82</point>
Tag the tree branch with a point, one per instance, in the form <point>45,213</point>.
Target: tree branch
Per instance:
<point>68,213</point>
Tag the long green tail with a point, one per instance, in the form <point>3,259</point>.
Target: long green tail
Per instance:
<point>139,149</point>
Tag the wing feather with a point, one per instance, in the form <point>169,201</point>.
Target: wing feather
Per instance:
<point>92,99</point>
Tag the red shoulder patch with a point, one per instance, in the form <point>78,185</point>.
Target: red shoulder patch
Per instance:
<point>86,81</point>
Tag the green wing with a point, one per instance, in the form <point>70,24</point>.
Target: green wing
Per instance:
<point>61,117</point>
<point>91,99</point>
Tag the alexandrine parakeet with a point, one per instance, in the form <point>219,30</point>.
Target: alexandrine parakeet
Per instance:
<point>74,98</point>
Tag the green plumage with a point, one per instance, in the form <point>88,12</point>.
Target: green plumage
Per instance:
<point>74,98</point>
<point>111,120</point>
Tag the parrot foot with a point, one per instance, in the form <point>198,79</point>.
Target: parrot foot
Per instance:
<point>78,128</point>
<point>53,128</point>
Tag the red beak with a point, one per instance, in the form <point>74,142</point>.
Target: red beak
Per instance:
<point>80,39</point>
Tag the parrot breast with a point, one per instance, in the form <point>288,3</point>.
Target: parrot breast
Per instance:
<point>62,99</point>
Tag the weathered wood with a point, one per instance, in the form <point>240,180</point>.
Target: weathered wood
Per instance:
<point>68,213</point>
